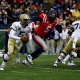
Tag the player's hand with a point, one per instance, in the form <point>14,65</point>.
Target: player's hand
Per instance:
<point>74,53</point>
<point>70,32</point>
<point>24,39</point>
<point>74,50</point>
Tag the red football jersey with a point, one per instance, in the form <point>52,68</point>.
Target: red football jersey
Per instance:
<point>43,29</point>
<point>44,17</point>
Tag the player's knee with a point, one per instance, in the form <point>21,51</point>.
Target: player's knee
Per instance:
<point>63,54</point>
<point>7,56</point>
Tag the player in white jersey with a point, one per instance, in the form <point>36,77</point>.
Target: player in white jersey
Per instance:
<point>73,43</point>
<point>18,32</point>
<point>76,28</point>
<point>71,60</point>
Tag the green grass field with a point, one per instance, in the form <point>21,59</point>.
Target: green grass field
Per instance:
<point>42,69</point>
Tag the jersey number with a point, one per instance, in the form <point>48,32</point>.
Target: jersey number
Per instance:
<point>21,33</point>
<point>47,29</point>
<point>77,26</point>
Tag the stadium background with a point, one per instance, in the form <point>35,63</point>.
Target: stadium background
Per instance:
<point>2,39</point>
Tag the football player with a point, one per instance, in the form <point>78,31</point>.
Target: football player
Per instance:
<point>40,33</point>
<point>73,43</point>
<point>18,32</point>
<point>71,58</point>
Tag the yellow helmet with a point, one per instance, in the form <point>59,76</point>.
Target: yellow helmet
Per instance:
<point>24,18</point>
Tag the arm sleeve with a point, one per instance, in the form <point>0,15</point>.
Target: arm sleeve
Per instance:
<point>74,43</point>
<point>12,35</point>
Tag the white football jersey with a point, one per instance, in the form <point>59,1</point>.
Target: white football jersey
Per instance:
<point>75,34</point>
<point>17,30</point>
<point>76,25</point>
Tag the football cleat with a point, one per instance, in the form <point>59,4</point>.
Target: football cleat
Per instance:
<point>25,62</point>
<point>71,64</point>
<point>1,69</point>
<point>55,64</point>
<point>29,57</point>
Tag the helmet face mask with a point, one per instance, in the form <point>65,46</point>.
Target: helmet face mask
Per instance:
<point>24,19</point>
<point>52,15</point>
<point>25,23</point>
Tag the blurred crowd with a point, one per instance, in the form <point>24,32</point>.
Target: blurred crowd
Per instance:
<point>11,9</point>
<point>67,11</point>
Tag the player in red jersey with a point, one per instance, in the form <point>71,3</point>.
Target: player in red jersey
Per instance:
<point>40,33</point>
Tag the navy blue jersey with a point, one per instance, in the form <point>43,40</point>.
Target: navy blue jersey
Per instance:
<point>35,18</point>
<point>50,35</point>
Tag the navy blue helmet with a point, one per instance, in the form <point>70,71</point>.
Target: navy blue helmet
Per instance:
<point>52,15</point>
